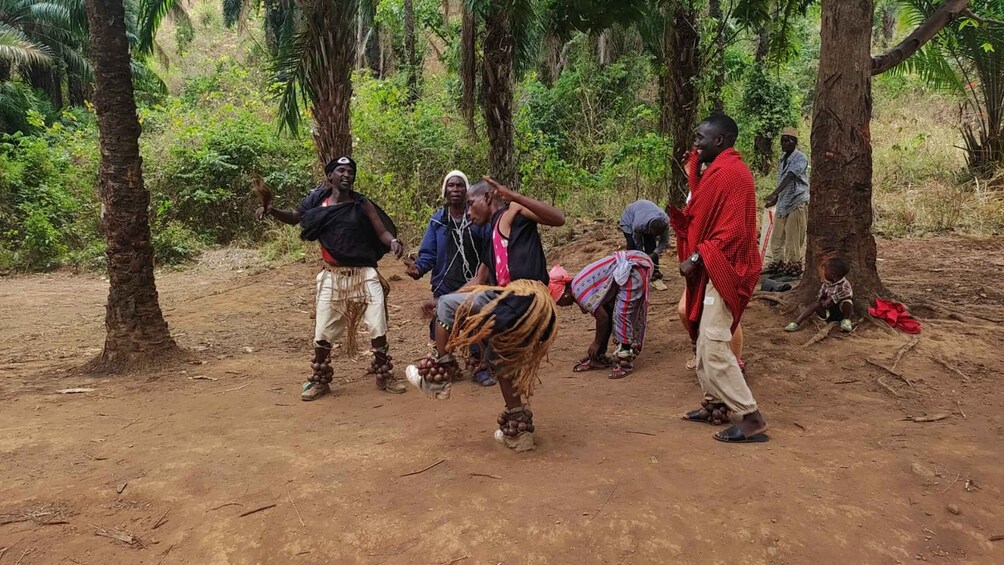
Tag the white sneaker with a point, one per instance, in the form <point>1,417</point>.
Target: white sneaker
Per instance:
<point>434,390</point>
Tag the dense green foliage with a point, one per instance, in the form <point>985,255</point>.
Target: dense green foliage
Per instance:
<point>588,142</point>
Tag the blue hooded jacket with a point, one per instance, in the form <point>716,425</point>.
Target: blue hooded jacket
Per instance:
<point>433,253</point>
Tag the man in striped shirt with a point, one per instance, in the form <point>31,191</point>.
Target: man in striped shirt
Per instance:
<point>615,291</point>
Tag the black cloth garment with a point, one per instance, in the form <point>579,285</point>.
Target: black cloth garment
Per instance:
<point>648,242</point>
<point>344,229</point>
<point>526,252</point>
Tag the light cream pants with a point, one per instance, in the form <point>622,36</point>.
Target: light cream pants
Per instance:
<point>787,243</point>
<point>717,368</point>
<point>337,287</point>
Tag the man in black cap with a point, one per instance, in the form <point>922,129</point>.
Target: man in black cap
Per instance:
<point>354,233</point>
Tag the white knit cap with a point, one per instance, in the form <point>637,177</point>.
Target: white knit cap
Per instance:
<point>451,174</point>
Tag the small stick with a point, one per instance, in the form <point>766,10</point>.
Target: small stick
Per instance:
<point>997,537</point>
<point>952,483</point>
<point>607,499</point>
<point>891,372</point>
<point>294,507</point>
<point>250,512</point>
<point>485,475</point>
<point>847,382</point>
<point>424,470</point>
<point>2,551</point>
<point>932,418</point>
<point>959,404</point>
<point>821,335</point>
<point>640,433</point>
<point>238,388</point>
<point>161,520</point>
<point>457,560</point>
<point>26,552</point>
<point>903,350</point>
<point>887,387</point>
<point>130,423</point>
<point>227,504</point>
<point>800,426</point>
<point>952,368</point>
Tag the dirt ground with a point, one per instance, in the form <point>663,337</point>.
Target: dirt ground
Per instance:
<point>169,461</point>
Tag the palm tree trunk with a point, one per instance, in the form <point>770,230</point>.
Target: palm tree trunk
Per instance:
<point>763,142</point>
<point>497,78</point>
<point>718,64</point>
<point>48,80</point>
<point>4,70</point>
<point>79,89</point>
<point>330,76</point>
<point>840,211</point>
<point>410,51</point>
<point>468,66</point>
<point>550,69</point>
<point>679,95</point>
<point>136,332</point>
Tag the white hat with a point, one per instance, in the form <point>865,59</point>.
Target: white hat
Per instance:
<point>451,174</point>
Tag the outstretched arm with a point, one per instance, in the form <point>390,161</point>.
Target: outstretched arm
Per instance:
<point>291,217</point>
<point>387,238</point>
<point>530,208</point>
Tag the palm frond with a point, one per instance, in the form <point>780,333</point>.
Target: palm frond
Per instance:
<point>151,15</point>
<point>292,65</point>
<point>16,101</point>
<point>18,50</point>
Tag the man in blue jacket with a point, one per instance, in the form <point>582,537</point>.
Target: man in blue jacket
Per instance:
<point>451,249</point>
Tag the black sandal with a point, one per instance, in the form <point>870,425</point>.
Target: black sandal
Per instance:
<point>735,434</point>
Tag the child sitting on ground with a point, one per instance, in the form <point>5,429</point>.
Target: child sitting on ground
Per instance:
<point>833,303</point>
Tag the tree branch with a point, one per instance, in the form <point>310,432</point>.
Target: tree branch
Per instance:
<point>948,11</point>
<point>977,18</point>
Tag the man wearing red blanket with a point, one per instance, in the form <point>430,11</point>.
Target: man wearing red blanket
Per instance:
<point>717,248</point>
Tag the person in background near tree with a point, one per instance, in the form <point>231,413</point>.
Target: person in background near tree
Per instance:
<point>791,198</point>
<point>615,291</point>
<point>353,233</point>
<point>835,301</point>
<point>717,248</point>
<point>451,251</point>
<point>514,317</point>
<point>646,228</point>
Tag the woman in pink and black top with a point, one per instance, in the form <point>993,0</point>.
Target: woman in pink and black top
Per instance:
<point>513,252</point>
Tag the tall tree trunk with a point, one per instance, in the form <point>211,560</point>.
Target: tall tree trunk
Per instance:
<point>468,66</point>
<point>889,20</point>
<point>550,68</point>
<point>373,50</point>
<point>840,210</point>
<point>330,76</point>
<point>410,51</point>
<point>763,142</point>
<point>136,332</point>
<point>79,90</point>
<point>497,78</point>
<point>49,81</point>
<point>679,95</point>
<point>718,63</point>
<point>603,48</point>
<point>4,70</point>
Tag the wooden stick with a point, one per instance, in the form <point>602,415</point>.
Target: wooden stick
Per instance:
<point>2,551</point>
<point>424,469</point>
<point>952,483</point>
<point>607,499</point>
<point>903,350</point>
<point>227,504</point>
<point>640,433</point>
<point>997,537</point>
<point>457,560</point>
<point>887,387</point>
<point>891,372</point>
<point>26,552</point>
<point>847,382</point>
<point>485,475</point>
<point>161,520</point>
<point>951,368</point>
<point>238,388</point>
<point>820,335</point>
<point>959,404</point>
<point>250,512</point>
<point>800,426</point>
<point>294,507</point>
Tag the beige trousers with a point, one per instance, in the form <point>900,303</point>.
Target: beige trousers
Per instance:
<point>787,243</point>
<point>717,368</point>
<point>341,288</point>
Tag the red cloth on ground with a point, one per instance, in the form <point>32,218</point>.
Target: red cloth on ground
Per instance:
<point>894,314</point>
<point>720,224</point>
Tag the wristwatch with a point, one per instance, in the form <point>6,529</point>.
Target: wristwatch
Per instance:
<point>695,258</point>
